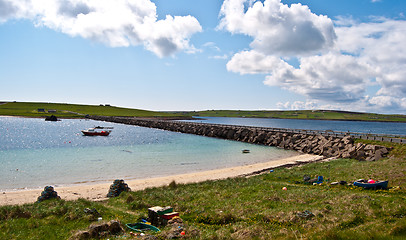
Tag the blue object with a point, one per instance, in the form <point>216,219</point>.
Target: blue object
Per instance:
<point>376,185</point>
<point>319,179</point>
<point>271,171</point>
<point>142,227</point>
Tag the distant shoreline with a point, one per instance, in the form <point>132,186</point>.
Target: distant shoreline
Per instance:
<point>318,119</point>
<point>199,118</point>
<point>66,110</point>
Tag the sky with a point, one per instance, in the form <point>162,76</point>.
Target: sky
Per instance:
<point>190,55</point>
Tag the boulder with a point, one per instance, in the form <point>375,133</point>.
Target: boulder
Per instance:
<point>117,188</point>
<point>230,134</point>
<point>104,229</point>
<point>48,193</point>
<point>114,227</point>
<point>80,235</point>
<point>360,155</point>
<point>348,140</point>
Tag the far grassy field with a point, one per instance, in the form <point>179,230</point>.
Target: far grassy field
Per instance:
<point>244,208</point>
<point>305,114</point>
<point>31,109</point>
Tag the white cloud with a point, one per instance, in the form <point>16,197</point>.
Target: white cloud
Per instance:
<point>220,57</point>
<point>278,29</point>
<point>119,23</point>
<point>212,45</point>
<point>298,105</point>
<point>337,63</point>
<point>381,44</point>
<point>14,9</point>
<point>388,102</point>
<point>330,77</point>
<point>253,62</point>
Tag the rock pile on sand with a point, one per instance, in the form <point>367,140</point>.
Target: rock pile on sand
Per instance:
<point>117,188</point>
<point>48,193</point>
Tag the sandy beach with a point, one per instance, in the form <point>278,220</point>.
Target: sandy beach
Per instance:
<point>98,192</point>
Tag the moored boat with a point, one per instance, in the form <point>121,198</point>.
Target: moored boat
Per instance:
<point>97,131</point>
<point>374,185</point>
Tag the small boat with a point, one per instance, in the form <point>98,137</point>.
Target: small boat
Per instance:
<point>141,227</point>
<point>97,131</point>
<point>246,151</point>
<point>375,185</point>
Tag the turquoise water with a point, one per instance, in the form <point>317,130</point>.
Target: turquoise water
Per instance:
<point>35,153</point>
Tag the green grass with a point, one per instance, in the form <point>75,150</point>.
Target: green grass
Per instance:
<point>244,208</point>
<point>30,109</point>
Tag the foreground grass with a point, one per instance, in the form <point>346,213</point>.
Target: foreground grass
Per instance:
<point>30,109</point>
<point>244,208</point>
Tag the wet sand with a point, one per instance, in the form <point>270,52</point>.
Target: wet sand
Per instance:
<point>98,192</point>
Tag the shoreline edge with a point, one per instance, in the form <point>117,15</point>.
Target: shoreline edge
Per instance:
<point>98,192</point>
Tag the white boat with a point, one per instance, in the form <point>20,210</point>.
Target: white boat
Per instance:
<point>97,131</point>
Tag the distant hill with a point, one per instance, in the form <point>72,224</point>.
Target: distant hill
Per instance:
<point>64,110</point>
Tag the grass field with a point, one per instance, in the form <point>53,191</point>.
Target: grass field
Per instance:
<point>30,109</point>
<point>27,109</point>
<point>244,208</point>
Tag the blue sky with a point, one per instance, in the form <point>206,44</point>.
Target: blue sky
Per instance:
<point>206,54</point>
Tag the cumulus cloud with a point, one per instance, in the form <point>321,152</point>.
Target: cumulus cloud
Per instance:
<point>329,77</point>
<point>278,28</point>
<point>381,44</point>
<point>14,9</point>
<point>7,10</point>
<point>119,23</point>
<point>297,105</point>
<point>338,62</point>
<point>254,62</point>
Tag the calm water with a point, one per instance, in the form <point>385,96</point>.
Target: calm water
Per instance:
<point>35,153</point>
<point>342,126</point>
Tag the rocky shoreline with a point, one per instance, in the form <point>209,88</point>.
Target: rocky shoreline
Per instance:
<point>328,146</point>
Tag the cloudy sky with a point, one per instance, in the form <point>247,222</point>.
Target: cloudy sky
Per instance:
<point>206,54</point>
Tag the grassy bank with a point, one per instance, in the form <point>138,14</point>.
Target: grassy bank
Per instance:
<point>31,109</point>
<point>244,208</point>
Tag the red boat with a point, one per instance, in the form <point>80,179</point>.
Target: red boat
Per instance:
<point>97,131</point>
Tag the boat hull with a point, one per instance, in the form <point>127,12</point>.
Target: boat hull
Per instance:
<point>376,185</point>
<point>102,133</point>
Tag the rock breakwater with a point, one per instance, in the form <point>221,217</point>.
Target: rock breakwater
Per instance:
<point>328,146</point>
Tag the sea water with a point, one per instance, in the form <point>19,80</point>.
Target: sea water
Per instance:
<point>35,153</point>
<point>394,128</point>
